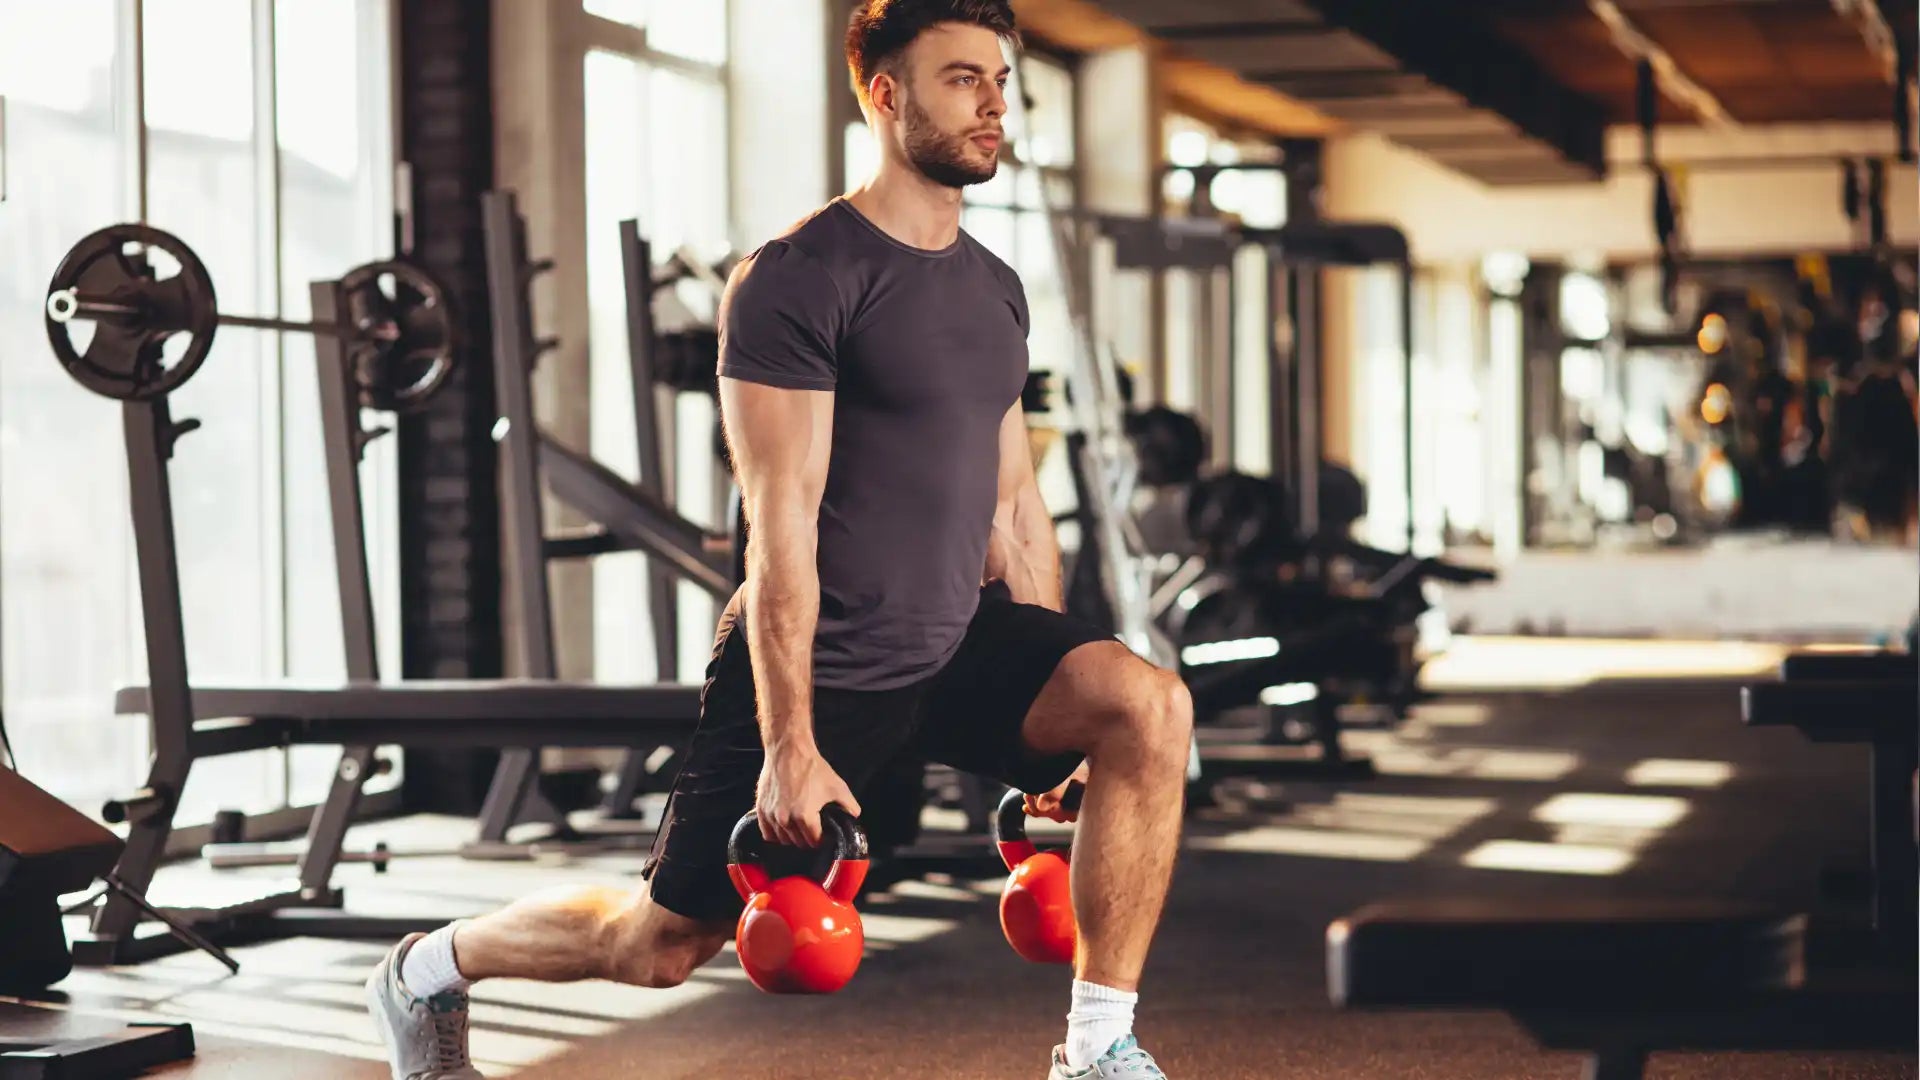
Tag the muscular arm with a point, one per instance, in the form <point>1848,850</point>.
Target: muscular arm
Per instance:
<point>1022,549</point>
<point>780,441</point>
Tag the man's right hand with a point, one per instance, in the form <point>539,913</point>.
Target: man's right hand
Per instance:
<point>795,783</point>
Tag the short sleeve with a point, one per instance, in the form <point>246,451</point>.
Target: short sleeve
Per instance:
<point>779,321</point>
<point>1016,290</point>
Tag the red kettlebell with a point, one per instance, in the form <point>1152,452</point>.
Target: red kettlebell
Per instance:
<point>798,936</point>
<point>1036,904</point>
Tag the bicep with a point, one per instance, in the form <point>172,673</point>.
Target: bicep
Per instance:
<point>781,440</point>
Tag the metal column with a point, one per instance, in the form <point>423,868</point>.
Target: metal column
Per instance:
<point>344,442</point>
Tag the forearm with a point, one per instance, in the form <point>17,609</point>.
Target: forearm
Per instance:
<point>1024,552</point>
<point>782,612</point>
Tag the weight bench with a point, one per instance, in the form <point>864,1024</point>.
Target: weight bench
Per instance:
<point>230,720</point>
<point>1616,979</point>
<point>1870,698</point>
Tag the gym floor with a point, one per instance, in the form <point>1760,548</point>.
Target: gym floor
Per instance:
<point>1617,787</point>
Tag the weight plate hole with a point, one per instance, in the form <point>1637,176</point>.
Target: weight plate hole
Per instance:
<point>164,265</point>
<point>173,349</point>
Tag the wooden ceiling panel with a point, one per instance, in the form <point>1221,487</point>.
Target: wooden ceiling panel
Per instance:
<point>1579,51</point>
<point>1765,60</point>
<point>1304,53</point>
<point>1154,14</point>
<point>1714,46</point>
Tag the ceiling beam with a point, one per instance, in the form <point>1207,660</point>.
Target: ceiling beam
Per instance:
<point>1676,84</point>
<point>1445,42</point>
<point>1267,28</point>
<point>1866,17</point>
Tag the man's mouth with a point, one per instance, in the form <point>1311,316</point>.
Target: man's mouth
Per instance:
<point>987,140</point>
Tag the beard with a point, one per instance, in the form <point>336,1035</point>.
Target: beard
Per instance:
<point>940,157</point>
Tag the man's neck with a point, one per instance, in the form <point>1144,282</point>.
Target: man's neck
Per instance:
<point>909,207</point>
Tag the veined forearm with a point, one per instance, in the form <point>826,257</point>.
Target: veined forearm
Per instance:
<point>783,610</point>
<point>1024,552</point>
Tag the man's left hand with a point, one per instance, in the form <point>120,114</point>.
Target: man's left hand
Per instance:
<point>1047,803</point>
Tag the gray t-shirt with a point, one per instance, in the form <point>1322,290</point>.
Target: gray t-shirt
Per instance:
<point>924,351</point>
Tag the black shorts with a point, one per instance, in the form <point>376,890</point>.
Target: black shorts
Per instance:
<point>967,715</point>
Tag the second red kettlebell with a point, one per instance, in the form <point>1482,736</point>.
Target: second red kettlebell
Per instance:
<point>1036,904</point>
<point>799,936</point>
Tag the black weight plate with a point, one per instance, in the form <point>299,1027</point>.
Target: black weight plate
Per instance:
<point>1171,445</point>
<point>404,339</point>
<point>1239,519</point>
<point>123,361</point>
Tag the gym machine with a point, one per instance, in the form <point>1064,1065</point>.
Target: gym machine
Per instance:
<point>625,516</point>
<point>1275,608</point>
<point>384,339</point>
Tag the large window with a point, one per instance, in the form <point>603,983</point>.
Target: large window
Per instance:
<point>1008,213</point>
<point>265,133</point>
<point>1217,331</point>
<point>655,149</point>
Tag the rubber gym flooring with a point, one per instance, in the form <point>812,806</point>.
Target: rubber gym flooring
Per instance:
<point>1615,788</point>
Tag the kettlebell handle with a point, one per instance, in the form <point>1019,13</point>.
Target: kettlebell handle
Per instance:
<point>840,831</point>
<point>1010,823</point>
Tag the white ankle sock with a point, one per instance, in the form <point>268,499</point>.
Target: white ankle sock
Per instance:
<point>429,967</point>
<point>1100,1015</point>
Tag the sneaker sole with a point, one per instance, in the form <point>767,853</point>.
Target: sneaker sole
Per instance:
<point>376,1006</point>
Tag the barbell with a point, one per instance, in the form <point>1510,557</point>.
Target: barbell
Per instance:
<point>396,320</point>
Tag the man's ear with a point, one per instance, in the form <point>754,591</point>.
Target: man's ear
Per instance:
<point>884,92</point>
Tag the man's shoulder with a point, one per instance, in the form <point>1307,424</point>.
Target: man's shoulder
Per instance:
<point>805,250</point>
<point>819,236</point>
<point>994,263</point>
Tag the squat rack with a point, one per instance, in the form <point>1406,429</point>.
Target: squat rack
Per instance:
<point>189,722</point>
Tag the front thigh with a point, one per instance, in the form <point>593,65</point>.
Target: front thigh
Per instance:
<point>1094,687</point>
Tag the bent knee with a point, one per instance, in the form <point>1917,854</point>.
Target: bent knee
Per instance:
<point>671,963</point>
<point>1158,713</point>
<point>652,947</point>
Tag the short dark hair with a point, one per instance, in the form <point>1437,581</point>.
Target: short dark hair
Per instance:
<point>880,30</point>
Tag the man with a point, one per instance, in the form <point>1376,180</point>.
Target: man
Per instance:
<point>871,367</point>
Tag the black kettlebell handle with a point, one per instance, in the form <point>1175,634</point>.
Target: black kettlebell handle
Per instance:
<point>1010,822</point>
<point>840,832</point>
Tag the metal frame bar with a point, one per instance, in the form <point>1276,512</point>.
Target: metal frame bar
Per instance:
<point>522,534</point>
<point>631,517</point>
<point>343,442</point>
<point>150,435</point>
<point>636,259</point>
<point>639,517</point>
<point>1406,394</point>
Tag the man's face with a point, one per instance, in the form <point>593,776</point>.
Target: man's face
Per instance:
<point>949,101</point>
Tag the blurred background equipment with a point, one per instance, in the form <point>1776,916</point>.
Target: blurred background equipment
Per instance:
<point>1502,417</point>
